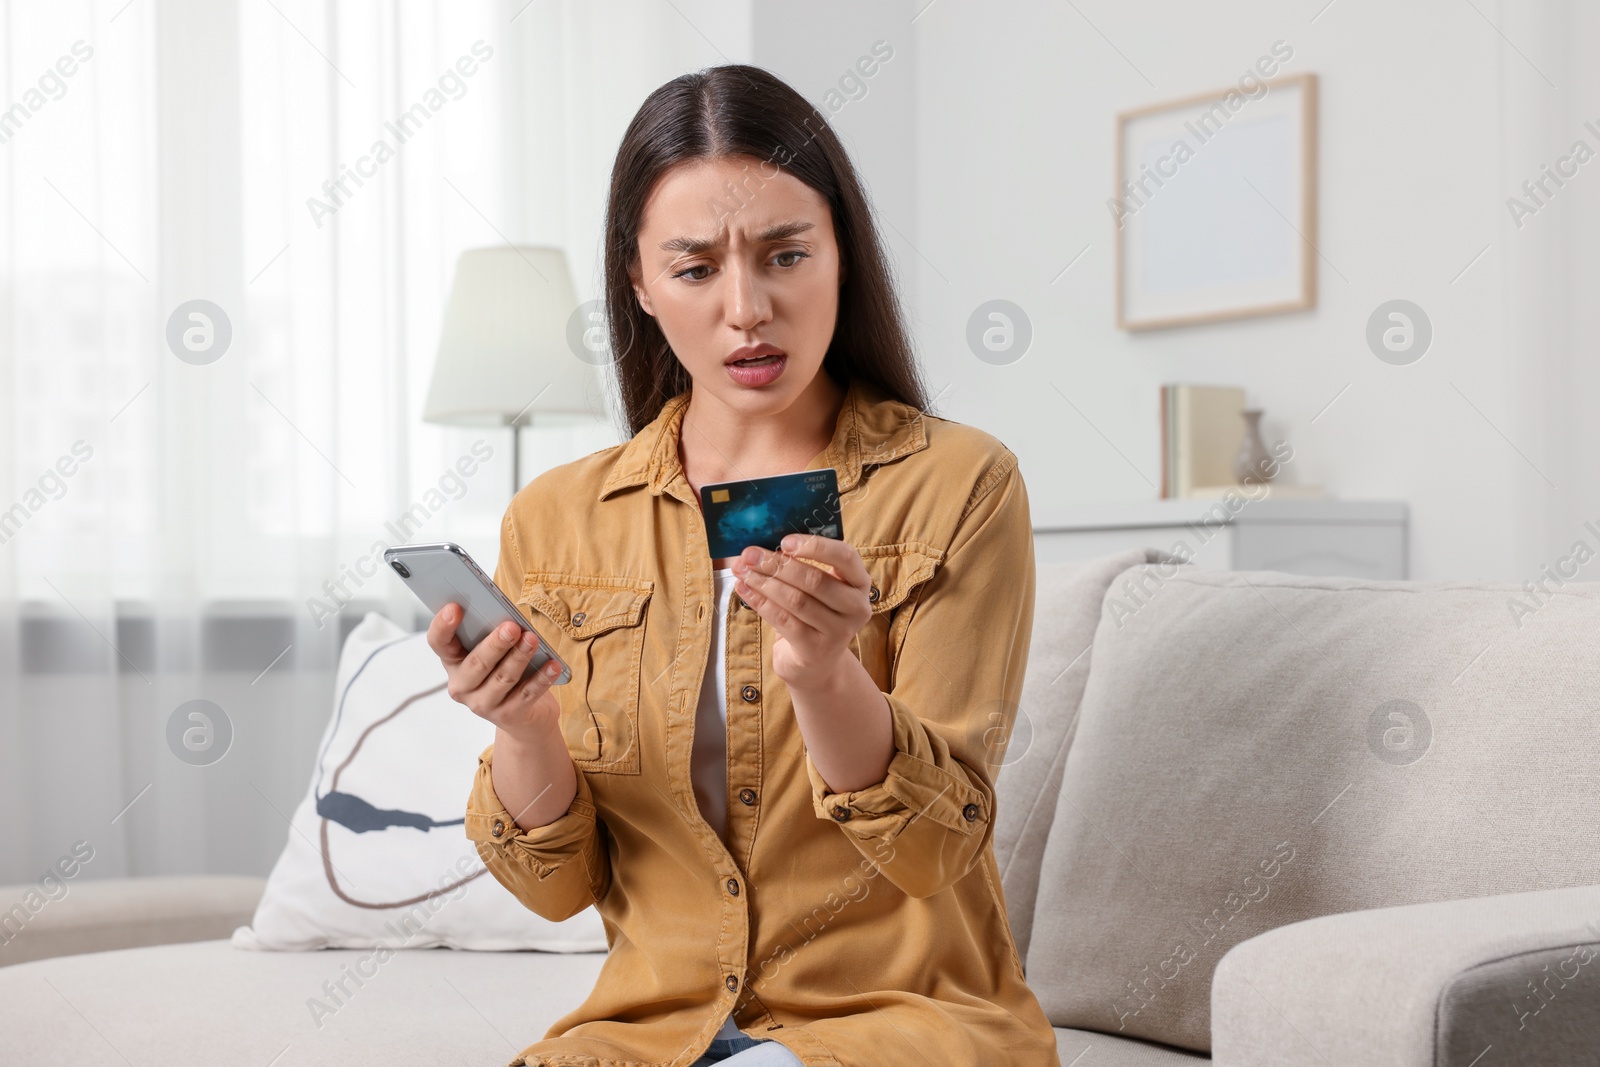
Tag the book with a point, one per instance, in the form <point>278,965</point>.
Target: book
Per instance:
<point>1166,444</point>
<point>1202,432</point>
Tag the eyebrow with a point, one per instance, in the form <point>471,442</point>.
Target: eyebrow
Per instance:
<point>695,245</point>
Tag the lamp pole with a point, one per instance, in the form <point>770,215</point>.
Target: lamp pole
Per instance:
<point>516,456</point>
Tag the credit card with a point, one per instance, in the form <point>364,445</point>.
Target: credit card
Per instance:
<point>760,511</point>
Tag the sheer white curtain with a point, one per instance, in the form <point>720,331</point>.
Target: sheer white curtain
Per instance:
<point>176,525</point>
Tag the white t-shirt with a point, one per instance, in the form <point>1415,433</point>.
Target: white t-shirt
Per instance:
<point>709,760</point>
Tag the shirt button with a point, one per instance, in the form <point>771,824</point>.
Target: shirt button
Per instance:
<point>872,594</point>
<point>841,814</point>
<point>499,828</point>
<point>733,886</point>
<point>750,693</point>
<point>732,981</point>
<point>747,795</point>
<point>969,812</point>
<point>578,617</point>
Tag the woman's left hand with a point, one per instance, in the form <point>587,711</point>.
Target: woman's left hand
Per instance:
<point>814,612</point>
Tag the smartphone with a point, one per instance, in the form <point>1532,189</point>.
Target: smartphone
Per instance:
<point>444,573</point>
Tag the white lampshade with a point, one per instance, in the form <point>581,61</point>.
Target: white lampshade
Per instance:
<point>505,343</point>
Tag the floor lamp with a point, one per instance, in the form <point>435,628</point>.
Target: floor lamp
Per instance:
<point>504,352</point>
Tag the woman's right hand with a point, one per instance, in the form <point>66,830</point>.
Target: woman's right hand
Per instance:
<point>488,679</point>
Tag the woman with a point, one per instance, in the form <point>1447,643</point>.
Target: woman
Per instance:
<point>781,801</point>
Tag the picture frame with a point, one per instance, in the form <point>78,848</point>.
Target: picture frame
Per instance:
<point>1215,205</point>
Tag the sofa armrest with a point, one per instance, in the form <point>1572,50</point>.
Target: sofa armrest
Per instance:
<point>1515,976</point>
<point>95,915</point>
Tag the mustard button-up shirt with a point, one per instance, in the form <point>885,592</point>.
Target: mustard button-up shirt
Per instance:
<point>864,928</point>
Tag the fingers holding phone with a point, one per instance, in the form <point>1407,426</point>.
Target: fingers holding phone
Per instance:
<point>489,679</point>
<point>484,641</point>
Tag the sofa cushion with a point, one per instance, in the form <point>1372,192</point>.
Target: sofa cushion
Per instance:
<point>1028,778</point>
<point>97,914</point>
<point>376,852</point>
<point>207,1003</point>
<point>1257,748</point>
<point>203,1004</point>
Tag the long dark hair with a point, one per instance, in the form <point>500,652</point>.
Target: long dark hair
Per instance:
<point>740,110</point>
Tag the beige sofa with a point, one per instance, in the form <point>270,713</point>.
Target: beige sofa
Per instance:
<point>1260,818</point>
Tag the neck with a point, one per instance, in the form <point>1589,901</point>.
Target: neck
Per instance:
<point>719,443</point>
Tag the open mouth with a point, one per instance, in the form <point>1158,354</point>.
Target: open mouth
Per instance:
<point>757,361</point>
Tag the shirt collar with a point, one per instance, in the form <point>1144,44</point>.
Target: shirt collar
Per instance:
<point>872,427</point>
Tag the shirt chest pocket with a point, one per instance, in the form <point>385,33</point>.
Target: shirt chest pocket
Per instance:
<point>596,624</point>
<point>899,573</point>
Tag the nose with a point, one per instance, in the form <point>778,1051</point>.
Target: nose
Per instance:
<point>747,302</point>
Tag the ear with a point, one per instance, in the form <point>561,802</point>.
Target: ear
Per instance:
<point>639,293</point>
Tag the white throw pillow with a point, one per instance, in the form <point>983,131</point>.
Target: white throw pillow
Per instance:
<point>377,853</point>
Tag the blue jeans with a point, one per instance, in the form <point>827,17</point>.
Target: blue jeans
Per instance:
<point>745,1051</point>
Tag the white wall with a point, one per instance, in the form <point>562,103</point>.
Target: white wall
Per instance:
<point>1551,277</point>
<point>1429,120</point>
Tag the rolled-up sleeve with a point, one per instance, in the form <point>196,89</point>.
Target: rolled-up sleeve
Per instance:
<point>957,683</point>
<point>557,869</point>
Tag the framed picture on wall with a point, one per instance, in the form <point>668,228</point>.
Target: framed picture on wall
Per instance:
<point>1216,205</point>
